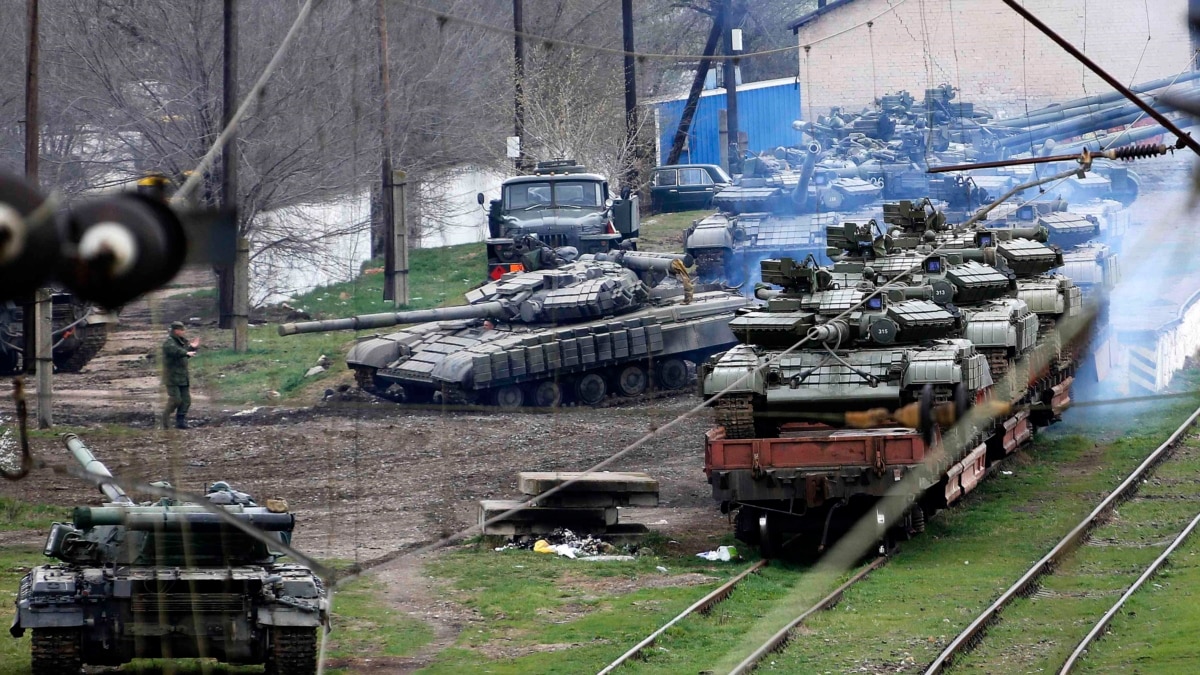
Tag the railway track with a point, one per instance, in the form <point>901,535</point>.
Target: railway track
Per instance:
<point>1028,584</point>
<point>774,643</point>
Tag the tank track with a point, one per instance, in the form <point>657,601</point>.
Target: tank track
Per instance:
<point>293,651</point>
<point>94,339</point>
<point>55,651</point>
<point>735,412</point>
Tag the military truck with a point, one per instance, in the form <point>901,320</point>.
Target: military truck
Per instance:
<point>169,580</point>
<point>560,204</point>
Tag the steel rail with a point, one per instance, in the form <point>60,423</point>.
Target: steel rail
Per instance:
<point>1102,624</point>
<point>779,639</point>
<point>973,632</point>
<point>702,605</point>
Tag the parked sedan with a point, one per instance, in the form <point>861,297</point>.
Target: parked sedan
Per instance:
<point>686,187</point>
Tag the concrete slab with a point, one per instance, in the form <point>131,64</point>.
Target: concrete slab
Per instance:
<point>553,517</point>
<point>537,482</point>
<point>575,500</point>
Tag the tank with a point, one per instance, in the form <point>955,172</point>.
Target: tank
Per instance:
<point>814,438</point>
<point>571,331</point>
<point>773,210</point>
<point>80,331</point>
<point>560,204</point>
<point>169,580</point>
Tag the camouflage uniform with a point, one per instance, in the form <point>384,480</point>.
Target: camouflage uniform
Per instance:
<point>175,376</point>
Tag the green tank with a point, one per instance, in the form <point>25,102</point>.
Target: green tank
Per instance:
<point>169,580</point>
<point>80,332</point>
<point>562,331</point>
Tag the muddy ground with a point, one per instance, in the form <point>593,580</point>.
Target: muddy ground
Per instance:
<point>365,478</point>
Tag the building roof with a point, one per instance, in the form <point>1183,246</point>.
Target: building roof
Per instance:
<point>745,86</point>
<point>796,25</point>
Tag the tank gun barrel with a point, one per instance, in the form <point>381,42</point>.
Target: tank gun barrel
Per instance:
<point>1130,135</point>
<point>387,319</point>
<point>1035,116</point>
<point>835,332</point>
<point>95,467</point>
<point>800,195</point>
<point>642,261</point>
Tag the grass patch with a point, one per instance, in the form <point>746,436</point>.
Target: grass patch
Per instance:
<point>365,626</point>
<point>663,232</point>
<point>19,515</point>
<point>546,614</point>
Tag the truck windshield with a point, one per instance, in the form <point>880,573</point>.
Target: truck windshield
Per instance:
<point>548,194</point>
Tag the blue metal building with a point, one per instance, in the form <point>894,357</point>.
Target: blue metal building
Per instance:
<point>766,111</point>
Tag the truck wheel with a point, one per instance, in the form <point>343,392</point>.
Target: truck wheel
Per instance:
<point>56,651</point>
<point>293,651</point>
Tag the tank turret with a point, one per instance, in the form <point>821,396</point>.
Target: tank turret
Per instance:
<point>576,330</point>
<point>173,570</point>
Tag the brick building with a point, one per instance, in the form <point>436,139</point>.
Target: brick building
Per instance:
<point>852,51</point>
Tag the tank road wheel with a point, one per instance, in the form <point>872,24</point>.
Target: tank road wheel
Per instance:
<point>632,381</point>
<point>293,651</point>
<point>56,651</point>
<point>672,374</point>
<point>511,396</point>
<point>547,394</point>
<point>591,389</point>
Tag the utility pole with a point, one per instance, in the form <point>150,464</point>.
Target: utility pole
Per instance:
<point>519,84</point>
<point>229,182</point>
<point>399,282</point>
<point>391,256</point>
<point>39,314</point>
<point>631,114</point>
<point>689,108</point>
<point>732,45</point>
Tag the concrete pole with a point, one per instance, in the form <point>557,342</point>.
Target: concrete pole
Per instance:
<point>399,281</point>
<point>43,308</point>
<point>241,296</point>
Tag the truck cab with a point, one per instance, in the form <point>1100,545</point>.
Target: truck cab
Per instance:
<point>560,204</point>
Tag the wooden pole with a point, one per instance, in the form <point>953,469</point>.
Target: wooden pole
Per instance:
<point>399,186</point>
<point>385,173</point>
<point>632,149</point>
<point>229,180</point>
<point>519,84</point>
<point>39,328</point>
<point>689,108</point>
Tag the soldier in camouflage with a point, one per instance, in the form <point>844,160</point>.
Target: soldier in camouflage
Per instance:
<point>176,352</point>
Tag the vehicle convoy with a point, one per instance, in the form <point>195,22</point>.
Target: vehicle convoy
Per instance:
<point>80,331</point>
<point>811,440</point>
<point>169,580</point>
<point>560,204</point>
<point>560,331</point>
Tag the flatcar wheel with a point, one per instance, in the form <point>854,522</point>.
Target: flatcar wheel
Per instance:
<point>547,394</point>
<point>632,381</point>
<point>590,389</point>
<point>672,374</point>
<point>769,539</point>
<point>508,397</point>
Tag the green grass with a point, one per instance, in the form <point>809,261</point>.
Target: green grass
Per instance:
<point>437,277</point>
<point>546,614</point>
<point>663,232</point>
<point>18,515</point>
<point>366,626</point>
